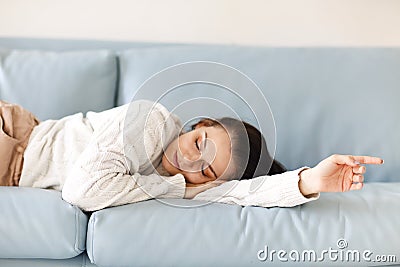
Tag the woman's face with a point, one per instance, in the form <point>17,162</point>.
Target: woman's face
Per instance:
<point>201,155</point>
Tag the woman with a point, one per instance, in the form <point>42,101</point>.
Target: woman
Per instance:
<point>137,152</point>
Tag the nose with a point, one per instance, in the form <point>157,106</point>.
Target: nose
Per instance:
<point>191,156</point>
<point>194,160</point>
<point>194,166</point>
<point>191,162</point>
<point>197,165</point>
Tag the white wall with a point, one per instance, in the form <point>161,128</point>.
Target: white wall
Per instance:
<point>255,22</point>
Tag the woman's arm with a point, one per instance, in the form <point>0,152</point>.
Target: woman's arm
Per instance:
<point>337,173</point>
<point>108,171</point>
<point>100,179</point>
<point>194,189</point>
<point>265,191</point>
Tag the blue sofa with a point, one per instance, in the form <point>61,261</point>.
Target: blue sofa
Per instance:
<point>324,101</point>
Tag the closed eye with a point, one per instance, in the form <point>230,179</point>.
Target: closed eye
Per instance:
<point>204,138</point>
<point>202,170</point>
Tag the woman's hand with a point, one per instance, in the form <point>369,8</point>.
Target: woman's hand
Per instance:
<point>337,173</point>
<point>193,189</point>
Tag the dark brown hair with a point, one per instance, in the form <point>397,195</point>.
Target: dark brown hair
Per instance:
<point>257,160</point>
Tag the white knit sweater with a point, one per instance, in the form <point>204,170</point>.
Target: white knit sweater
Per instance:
<point>104,160</point>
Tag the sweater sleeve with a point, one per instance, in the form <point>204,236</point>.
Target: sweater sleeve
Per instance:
<point>280,190</point>
<point>92,188</point>
<point>108,173</point>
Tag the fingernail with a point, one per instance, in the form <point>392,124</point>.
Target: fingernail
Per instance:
<point>382,161</point>
<point>356,162</point>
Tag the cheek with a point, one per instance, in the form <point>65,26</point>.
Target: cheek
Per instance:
<point>184,141</point>
<point>195,178</point>
<point>191,178</point>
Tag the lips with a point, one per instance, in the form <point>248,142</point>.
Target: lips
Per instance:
<point>176,160</point>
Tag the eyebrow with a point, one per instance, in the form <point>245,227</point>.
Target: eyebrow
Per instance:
<point>211,168</point>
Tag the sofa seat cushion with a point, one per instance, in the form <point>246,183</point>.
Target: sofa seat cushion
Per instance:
<point>151,233</point>
<point>37,223</point>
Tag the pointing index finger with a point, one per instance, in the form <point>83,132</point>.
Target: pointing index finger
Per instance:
<point>368,160</point>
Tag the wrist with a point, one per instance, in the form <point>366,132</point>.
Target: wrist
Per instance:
<point>306,184</point>
<point>189,193</point>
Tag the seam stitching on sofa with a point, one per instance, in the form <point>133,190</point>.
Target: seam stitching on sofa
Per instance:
<point>83,261</point>
<point>118,77</point>
<point>76,247</point>
<point>92,252</point>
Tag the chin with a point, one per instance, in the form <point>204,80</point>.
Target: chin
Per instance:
<point>168,166</point>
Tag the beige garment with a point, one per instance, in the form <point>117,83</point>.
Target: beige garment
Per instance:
<point>16,125</point>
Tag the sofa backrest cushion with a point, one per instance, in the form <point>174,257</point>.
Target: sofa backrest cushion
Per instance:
<point>56,84</point>
<point>324,100</point>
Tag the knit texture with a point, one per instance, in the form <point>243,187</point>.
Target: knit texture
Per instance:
<point>97,162</point>
<point>113,157</point>
<point>280,190</point>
